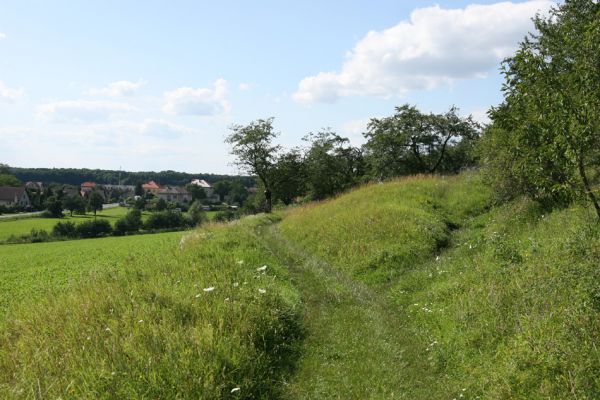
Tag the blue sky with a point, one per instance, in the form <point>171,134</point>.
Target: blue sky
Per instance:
<point>154,85</point>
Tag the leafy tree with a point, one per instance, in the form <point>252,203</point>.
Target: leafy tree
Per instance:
<point>161,204</point>
<point>65,229</point>
<point>545,138</point>
<point>196,214</point>
<point>289,176</point>
<point>131,222</point>
<point>139,190</point>
<point>411,142</point>
<point>74,203</point>
<point>95,202</point>
<point>54,206</point>
<point>253,146</point>
<point>9,180</point>
<point>197,192</point>
<point>140,203</point>
<point>331,164</point>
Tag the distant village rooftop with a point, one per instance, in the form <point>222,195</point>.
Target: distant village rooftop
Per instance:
<point>201,183</point>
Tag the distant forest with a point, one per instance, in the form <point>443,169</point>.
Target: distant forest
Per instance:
<point>75,176</point>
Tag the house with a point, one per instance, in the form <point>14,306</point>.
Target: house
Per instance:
<point>211,196</point>
<point>151,187</point>
<point>87,188</point>
<point>174,194</point>
<point>39,186</point>
<point>14,196</point>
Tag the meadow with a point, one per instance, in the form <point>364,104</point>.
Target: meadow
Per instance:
<point>23,226</point>
<point>418,288</point>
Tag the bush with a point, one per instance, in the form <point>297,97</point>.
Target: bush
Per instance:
<point>165,220</point>
<point>224,216</point>
<point>65,229</point>
<point>131,222</point>
<point>38,236</point>
<point>94,228</point>
<point>196,215</point>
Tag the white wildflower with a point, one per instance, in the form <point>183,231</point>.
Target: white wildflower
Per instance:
<point>235,389</point>
<point>240,262</point>
<point>236,284</point>
<point>209,289</point>
<point>198,295</point>
<point>140,321</point>
<point>261,269</point>
<point>262,291</point>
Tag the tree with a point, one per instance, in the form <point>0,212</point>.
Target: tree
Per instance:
<point>54,206</point>
<point>413,142</point>
<point>197,192</point>
<point>95,202</point>
<point>255,152</point>
<point>161,204</point>
<point>9,180</point>
<point>289,176</point>
<point>139,190</point>
<point>545,138</point>
<point>74,203</point>
<point>331,164</point>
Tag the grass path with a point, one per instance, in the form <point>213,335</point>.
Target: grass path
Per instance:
<point>355,344</point>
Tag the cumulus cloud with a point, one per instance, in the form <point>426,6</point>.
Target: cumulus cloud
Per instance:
<point>201,101</point>
<point>436,46</point>
<point>2,35</point>
<point>82,110</point>
<point>119,88</point>
<point>9,95</point>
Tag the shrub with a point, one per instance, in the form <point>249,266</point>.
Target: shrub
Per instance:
<point>165,220</point>
<point>94,228</point>
<point>131,222</point>
<point>227,215</point>
<point>65,229</point>
<point>196,215</point>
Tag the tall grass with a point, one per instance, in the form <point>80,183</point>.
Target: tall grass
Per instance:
<point>201,319</point>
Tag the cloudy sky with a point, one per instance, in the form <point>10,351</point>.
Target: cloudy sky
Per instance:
<point>155,85</point>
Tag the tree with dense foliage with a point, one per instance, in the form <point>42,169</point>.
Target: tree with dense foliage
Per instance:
<point>54,206</point>
<point>331,164</point>
<point>253,147</point>
<point>139,189</point>
<point>95,202</point>
<point>74,203</point>
<point>545,138</point>
<point>161,204</point>
<point>411,142</point>
<point>196,191</point>
<point>289,176</point>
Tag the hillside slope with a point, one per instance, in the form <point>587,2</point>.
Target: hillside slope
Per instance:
<point>412,289</point>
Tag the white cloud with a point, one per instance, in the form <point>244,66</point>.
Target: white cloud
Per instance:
<point>119,88</point>
<point>435,47</point>
<point>201,101</point>
<point>10,95</point>
<point>157,128</point>
<point>2,35</point>
<point>82,110</point>
<point>245,86</point>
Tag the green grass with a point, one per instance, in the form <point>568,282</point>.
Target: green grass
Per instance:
<point>412,289</point>
<point>147,328</point>
<point>25,225</point>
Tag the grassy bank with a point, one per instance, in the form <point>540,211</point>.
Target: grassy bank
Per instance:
<point>195,317</point>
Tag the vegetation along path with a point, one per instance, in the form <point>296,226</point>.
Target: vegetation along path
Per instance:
<point>355,341</point>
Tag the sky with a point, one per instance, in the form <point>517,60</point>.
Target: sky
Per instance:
<point>156,85</point>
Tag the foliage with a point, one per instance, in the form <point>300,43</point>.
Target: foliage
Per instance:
<point>161,205</point>
<point>289,176</point>
<point>65,229</point>
<point>9,180</point>
<point>132,222</point>
<point>413,142</point>
<point>54,206</point>
<point>75,176</point>
<point>195,214</point>
<point>545,137</point>
<point>94,228</point>
<point>253,147</point>
<point>95,202</point>
<point>196,191</point>
<point>165,220</point>
<point>74,203</point>
<point>331,164</point>
<point>225,216</point>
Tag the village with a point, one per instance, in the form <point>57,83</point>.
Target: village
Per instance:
<point>32,196</point>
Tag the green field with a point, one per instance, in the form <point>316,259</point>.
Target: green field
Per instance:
<point>419,288</point>
<point>25,225</point>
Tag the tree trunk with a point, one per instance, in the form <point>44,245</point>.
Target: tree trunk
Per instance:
<point>586,185</point>
<point>269,197</point>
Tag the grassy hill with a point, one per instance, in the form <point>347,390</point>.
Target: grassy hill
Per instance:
<point>417,288</point>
